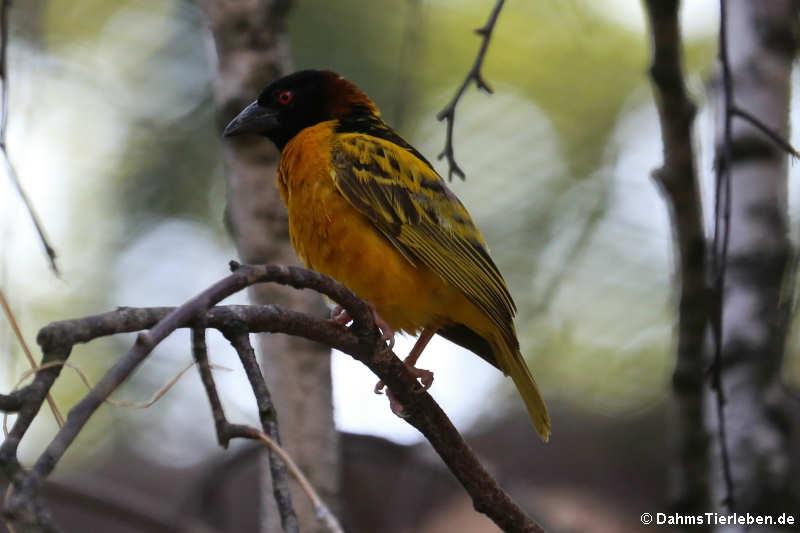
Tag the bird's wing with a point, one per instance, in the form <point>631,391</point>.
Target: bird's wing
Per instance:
<point>411,206</point>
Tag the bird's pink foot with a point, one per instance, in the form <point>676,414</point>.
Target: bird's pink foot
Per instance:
<point>425,378</point>
<point>340,316</point>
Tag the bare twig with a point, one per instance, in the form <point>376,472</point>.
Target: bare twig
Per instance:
<point>5,8</point>
<point>722,225</point>
<point>21,339</point>
<point>201,356</point>
<point>157,395</point>
<point>323,513</point>
<point>277,467</point>
<point>474,75</point>
<point>774,136</point>
<point>239,338</point>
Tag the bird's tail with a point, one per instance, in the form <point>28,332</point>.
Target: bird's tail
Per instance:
<point>511,362</point>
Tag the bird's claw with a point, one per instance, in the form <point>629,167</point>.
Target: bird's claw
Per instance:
<point>339,315</point>
<point>424,377</point>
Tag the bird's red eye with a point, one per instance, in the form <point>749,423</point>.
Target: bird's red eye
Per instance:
<point>284,97</point>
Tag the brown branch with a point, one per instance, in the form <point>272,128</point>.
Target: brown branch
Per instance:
<point>5,8</point>
<point>360,341</point>
<point>280,479</point>
<point>239,338</point>
<point>321,510</point>
<point>11,403</point>
<point>678,182</point>
<point>199,352</point>
<point>474,75</point>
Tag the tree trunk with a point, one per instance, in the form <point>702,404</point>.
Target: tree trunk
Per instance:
<point>761,47</point>
<point>678,182</point>
<point>252,50</point>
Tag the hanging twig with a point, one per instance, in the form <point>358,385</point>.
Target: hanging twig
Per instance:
<point>226,431</point>
<point>775,137</point>
<point>322,511</point>
<point>474,75</point>
<point>283,498</point>
<point>239,338</point>
<point>5,8</point>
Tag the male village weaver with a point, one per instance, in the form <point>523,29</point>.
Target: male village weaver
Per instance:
<point>369,210</point>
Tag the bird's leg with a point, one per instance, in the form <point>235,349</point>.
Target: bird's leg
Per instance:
<point>425,376</point>
<point>340,316</point>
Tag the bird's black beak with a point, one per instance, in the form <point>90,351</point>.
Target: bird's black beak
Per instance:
<point>253,119</point>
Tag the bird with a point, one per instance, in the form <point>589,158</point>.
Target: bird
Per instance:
<point>369,210</point>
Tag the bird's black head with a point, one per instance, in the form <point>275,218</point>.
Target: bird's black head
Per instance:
<point>298,101</point>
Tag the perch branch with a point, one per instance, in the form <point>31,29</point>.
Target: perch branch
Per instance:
<point>474,75</point>
<point>360,341</point>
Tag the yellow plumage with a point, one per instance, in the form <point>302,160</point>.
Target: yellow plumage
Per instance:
<point>396,236</point>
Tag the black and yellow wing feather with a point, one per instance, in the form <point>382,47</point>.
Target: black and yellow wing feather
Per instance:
<point>411,206</point>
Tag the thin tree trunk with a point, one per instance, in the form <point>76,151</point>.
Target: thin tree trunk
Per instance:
<point>677,179</point>
<point>761,46</point>
<point>252,50</point>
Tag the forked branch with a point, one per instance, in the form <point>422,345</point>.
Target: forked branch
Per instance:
<point>361,341</point>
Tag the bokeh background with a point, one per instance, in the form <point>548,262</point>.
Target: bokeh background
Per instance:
<point>113,133</point>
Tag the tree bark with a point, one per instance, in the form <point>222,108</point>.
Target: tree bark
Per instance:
<point>252,50</point>
<point>761,47</point>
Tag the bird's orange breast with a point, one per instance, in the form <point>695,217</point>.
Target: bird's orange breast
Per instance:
<point>332,237</point>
